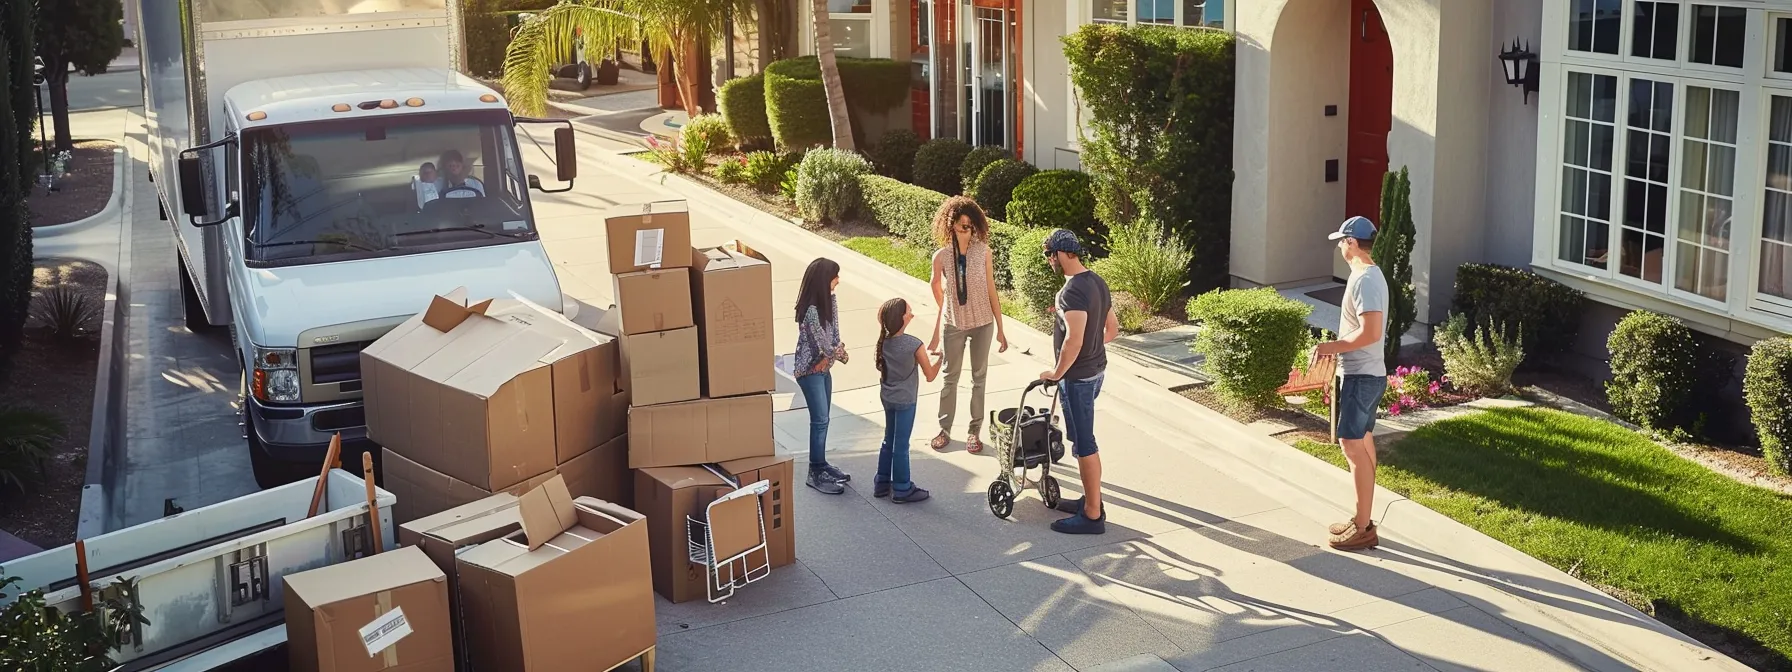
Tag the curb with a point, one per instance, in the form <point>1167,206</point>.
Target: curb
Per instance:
<point>109,403</point>
<point>116,201</point>
<point>1533,597</point>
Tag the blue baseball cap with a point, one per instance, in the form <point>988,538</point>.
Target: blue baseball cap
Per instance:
<point>1061,240</point>
<point>1359,228</point>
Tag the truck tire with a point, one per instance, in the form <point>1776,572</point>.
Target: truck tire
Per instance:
<point>584,76</point>
<point>189,299</point>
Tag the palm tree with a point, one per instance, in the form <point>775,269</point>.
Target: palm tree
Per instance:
<point>830,76</point>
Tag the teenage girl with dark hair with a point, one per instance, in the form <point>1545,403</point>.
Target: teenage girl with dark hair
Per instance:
<point>818,346</point>
<point>901,361</point>
<point>964,287</point>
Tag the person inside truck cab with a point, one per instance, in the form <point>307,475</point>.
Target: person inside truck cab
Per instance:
<point>426,184</point>
<point>456,182</point>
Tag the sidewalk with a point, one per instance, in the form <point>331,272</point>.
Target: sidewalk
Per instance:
<point>1211,558</point>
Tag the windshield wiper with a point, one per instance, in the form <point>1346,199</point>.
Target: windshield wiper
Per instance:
<point>343,243</point>
<point>477,228</point>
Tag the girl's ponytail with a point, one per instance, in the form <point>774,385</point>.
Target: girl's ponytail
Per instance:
<point>889,321</point>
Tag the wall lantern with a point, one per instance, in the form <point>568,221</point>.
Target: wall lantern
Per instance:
<point>1521,68</point>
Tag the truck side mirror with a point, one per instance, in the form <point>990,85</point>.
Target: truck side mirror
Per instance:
<point>192,188</point>
<point>566,155</point>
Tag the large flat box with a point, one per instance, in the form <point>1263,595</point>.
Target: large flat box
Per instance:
<point>648,235</point>
<point>423,492</point>
<point>572,591</point>
<point>382,612</point>
<point>657,300</point>
<point>668,494</point>
<point>661,367</point>
<point>732,292</point>
<point>442,535</point>
<point>491,393</point>
<point>601,472</point>
<point>700,432</point>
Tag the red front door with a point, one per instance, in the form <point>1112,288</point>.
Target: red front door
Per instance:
<point>1371,110</point>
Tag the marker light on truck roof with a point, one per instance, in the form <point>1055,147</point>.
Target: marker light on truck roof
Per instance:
<point>488,98</point>
<point>388,104</point>
<point>257,115</point>
<point>414,102</point>
<point>340,107</point>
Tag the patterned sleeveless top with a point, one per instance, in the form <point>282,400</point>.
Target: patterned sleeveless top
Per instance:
<point>975,311</point>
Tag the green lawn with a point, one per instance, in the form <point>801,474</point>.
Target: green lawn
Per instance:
<point>1573,491</point>
<point>919,263</point>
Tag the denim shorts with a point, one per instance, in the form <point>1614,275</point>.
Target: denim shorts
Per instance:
<point>1359,397</point>
<point>1077,398</point>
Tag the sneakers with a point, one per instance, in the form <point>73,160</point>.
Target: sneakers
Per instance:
<point>837,474</point>
<point>880,490</point>
<point>1070,505</point>
<point>913,494</point>
<point>823,481</point>
<point>1078,524</point>
<point>1351,538</point>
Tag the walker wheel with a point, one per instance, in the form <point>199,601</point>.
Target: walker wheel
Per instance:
<point>1001,499</point>
<point>1048,491</point>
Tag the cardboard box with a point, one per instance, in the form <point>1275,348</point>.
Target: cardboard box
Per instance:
<point>668,494</point>
<point>601,473</point>
<point>700,432</point>
<point>491,393</point>
<point>658,300</point>
<point>571,591</point>
<point>648,235</point>
<point>423,492</point>
<point>732,293</point>
<point>381,612</point>
<point>661,367</point>
<point>442,535</point>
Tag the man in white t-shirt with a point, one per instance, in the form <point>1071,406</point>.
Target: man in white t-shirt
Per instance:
<point>456,182</point>
<point>1362,375</point>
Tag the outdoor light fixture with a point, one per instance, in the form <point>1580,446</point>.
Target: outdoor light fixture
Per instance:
<point>1521,68</point>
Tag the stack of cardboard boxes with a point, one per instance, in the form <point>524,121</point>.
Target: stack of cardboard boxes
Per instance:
<point>695,328</point>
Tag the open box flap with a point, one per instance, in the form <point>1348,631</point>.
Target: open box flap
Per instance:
<point>547,511</point>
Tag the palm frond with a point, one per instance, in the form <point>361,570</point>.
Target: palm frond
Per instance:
<point>539,44</point>
<point>26,439</point>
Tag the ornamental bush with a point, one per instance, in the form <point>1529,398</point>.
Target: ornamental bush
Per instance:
<point>827,184</point>
<point>1002,239</point>
<point>996,185</point>
<point>905,210</point>
<point>971,168</point>
<point>1250,339</point>
<point>796,103</point>
<point>1146,262</point>
<point>1479,362</point>
<point>1393,253</point>
<point>1056,199</point>
<point>742,103</point>
<point>1031,274</point>
<point>894,154</point>
<point>1545,313</point>
<point>712,129</point>
<point>765,170</point>
<point>731,171</point>
<point>937,164</point>
<point>1159,105</point>
<point>1767,385</point>
<point>1655,362</point>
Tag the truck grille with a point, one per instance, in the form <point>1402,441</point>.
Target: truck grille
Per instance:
<point>338,363</point>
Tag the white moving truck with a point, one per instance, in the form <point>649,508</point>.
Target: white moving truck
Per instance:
<point>326,171</point>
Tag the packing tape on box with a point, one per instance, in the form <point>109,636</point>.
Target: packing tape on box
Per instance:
<point>381,635</point>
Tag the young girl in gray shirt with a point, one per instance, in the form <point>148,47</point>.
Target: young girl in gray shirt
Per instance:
<point>901,361</point>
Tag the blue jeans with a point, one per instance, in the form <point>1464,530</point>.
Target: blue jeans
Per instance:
<point>892,457</point>
<point>1359,398</point>
<point>1079,412</point>
<point>818,392</point>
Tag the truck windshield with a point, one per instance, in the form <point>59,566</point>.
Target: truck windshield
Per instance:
<point>336,191</point>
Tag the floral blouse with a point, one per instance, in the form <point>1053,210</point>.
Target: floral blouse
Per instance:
<point>817,342</point>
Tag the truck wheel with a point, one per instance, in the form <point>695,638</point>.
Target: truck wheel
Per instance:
<point>269,472</point>
<point>584,77</point>
<point>189,299</point>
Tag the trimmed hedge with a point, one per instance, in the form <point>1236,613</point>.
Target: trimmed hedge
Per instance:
<point>1057,199</point>
<point>1032,275</point>
<point>1767,385</point>
<point>796,103</point>
<point>995,186</point>
<point>1002,239</point>
<point>937,164</point>
<point>907,211</point>
<point>742,103</point>
<point>972,167</point>
<point>1250,338</point>
<point>894,154</point>
<point>1663,377</point>
<point>1546,313</point>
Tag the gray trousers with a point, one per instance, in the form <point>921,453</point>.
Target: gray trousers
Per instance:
<point>981,339</point>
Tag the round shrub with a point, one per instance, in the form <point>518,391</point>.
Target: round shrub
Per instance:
<point>995,185</point>
<point>1655,364</point>
<point>742,103</point>
<point>711,128</point>
<point>1767,385</point>
<point>827,184</point>
<point>1032,275</point>
<point>765,170</point>
<point>894,154</point>
<point>796,106</point>
<point>937,164</point>
<point>974,163</point>
<point>1546,313</point>
<point>1250,339</point>
<point>1056,199</point>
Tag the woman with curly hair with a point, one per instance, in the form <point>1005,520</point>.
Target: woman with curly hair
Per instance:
<point>964,287</point>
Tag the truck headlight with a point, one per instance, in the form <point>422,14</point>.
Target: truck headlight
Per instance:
<point>276,375</point>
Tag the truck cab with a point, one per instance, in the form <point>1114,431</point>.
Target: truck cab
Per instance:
<point>343,201</point>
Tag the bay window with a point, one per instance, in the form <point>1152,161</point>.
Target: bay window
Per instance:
<point>1776,206</point>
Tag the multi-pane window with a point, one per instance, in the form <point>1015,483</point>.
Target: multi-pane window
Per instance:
<point>1782,45</point>
<point>1182,13</point>
<point>1718,35</point>
<point>1591,124</point>
<point>1593,25</point>
<point>1642,241</point>
<point>849,27</point>
<point>1111,11</point>
<point>1776,206</point>
<point>1707,191</point>
<point>1655,30</point>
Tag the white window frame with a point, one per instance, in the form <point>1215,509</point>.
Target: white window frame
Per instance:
<point>1759,300</point>
<point>1772,39</point>
<point>1626,10</point>
<point>1685,53</point>
<point>1087,15</point>
<point>878,20</point>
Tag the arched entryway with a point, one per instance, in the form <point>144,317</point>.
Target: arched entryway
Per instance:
<point>1371,114</point>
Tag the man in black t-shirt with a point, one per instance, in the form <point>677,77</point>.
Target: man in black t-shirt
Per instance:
<point>1082,324</point>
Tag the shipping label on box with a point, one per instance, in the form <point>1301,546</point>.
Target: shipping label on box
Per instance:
<point>382,612</point>
<point>648,235</point>
<point>654,300</point>
<point>732,289</point>
<point>700,432</point>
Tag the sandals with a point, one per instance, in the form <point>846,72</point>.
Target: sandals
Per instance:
<point>973,445</point>
<point>939,442</point>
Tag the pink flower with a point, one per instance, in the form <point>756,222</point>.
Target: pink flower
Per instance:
<point>1436,387</point>
<point>1394,410</point>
